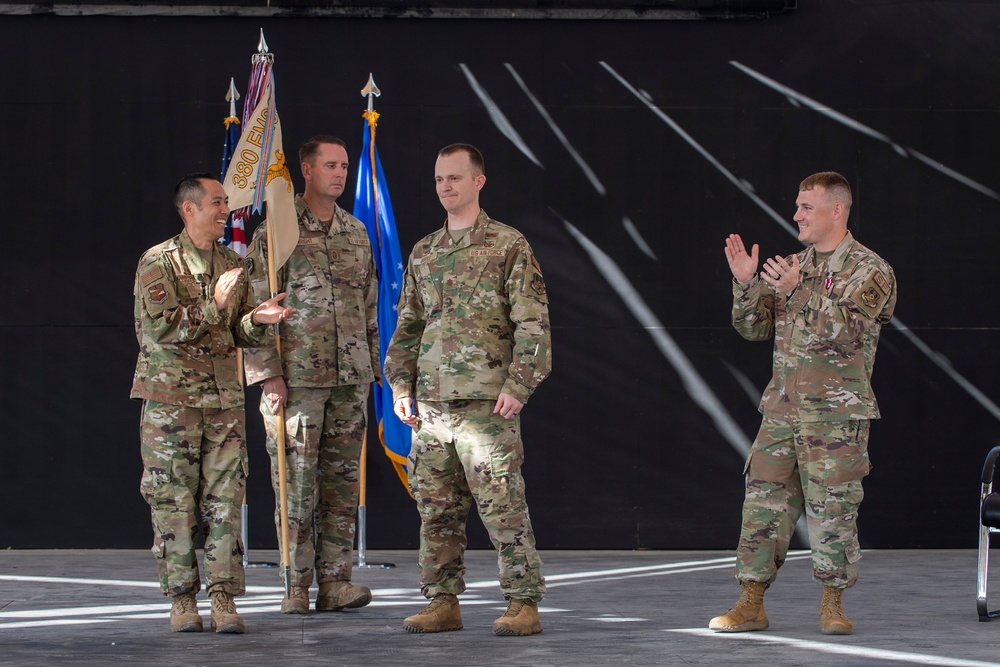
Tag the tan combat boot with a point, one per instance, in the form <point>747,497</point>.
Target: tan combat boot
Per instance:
<point>298,603</point>
<point>831,613</point>
<point>441,615</point>
<point>184,615</point>
<point>520,619</point>
<point>337,595</point>
<point>748,612</point>
<point>224,616</point>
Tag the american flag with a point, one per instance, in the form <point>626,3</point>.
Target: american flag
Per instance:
<point>235,235</point>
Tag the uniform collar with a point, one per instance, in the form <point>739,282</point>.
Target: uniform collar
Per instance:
<point>308,219</point>
<point>839,256</point>
<point>192,255</point>
<point>837,259</point>
<point>476,235</point>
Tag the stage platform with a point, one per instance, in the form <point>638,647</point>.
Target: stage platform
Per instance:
<point>914,607</point>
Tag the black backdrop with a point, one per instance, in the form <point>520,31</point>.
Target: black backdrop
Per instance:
<point>635,441</point>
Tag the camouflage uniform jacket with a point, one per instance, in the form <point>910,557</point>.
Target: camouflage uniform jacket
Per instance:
<point>473,318</point>
<point>332,339</point>
<point>825,333</point>
<point>187,347</point>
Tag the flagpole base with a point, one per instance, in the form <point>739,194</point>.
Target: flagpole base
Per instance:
<point>374,566</point>
<point>245,534</point>
<point>363,544</point>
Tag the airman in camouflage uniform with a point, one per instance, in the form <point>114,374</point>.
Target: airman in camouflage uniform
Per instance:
<point>329,356</point>
<point>192,308</point>
<point>824,307</point>
<point>471,346</point>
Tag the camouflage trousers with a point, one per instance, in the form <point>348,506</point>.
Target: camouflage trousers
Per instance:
<point>463,452</point>
<point>194,464</point>
<point>815,466</point>
<point>324,428</point>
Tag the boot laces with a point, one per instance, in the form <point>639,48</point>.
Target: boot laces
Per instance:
<point>223,603</point>
<point>514,608</point>
<point>185,604</point>
<point>831,605</point>
<point>745,600</point>
<point>436,601</point>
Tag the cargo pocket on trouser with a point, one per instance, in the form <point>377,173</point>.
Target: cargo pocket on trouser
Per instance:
<point>162,568</point>
<point>835,535</point>
<point>155,485</point>
<point>160,493</point>
<point>509,525</point>
<point>845,456</point>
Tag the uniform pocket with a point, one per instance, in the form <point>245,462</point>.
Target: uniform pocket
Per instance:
<point>156,486</point>
<point>348,266</point>
<point>158,549</point>
<point>846,458</point>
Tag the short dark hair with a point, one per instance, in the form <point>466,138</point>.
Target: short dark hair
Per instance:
<point>836,186</point>
<point>475,157</point>
<point>309,149</point>
<point>190,188</point>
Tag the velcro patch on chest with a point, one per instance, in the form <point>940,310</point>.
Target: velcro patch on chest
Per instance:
<point>310,240</point>
<point>358,240</point>
<point>486,253</point>
<point>873,294</point>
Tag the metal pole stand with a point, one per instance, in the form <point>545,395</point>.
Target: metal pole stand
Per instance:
<point>244,533</point>
<point>363,543</point>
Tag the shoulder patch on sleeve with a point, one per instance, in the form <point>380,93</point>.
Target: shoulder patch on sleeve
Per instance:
<point>256,260</point>
<point>873,294</point>
<point>151,274</point>
<point>537,282</point>
<point>157,293</point>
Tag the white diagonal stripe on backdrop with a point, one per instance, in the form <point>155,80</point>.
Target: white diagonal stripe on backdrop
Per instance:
<point>497,116</point>
<point>798,98</point>
<point>584,167</point>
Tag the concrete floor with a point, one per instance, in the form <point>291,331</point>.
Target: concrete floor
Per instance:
<point>602,608</point>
